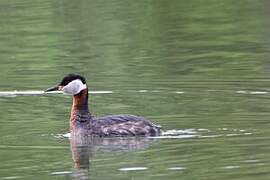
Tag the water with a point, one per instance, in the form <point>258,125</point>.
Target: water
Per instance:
<point>198,68</point>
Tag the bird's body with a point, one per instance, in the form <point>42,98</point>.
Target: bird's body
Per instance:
<point>83,123</point>
<point>115,125</point>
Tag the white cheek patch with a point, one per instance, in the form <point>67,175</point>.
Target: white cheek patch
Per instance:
<point>74,87</point>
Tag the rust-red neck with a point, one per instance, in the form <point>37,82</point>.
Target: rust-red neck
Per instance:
<point>79,107</point>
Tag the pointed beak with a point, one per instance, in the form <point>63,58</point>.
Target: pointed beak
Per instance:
<point>54,88</point>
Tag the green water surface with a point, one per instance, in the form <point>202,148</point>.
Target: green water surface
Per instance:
<point>198,67</point>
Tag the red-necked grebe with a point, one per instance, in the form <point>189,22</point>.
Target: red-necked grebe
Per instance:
<point>82,122</point>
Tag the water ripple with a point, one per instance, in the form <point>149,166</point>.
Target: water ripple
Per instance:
<point>133,169</point>
<point>12,177</point>
<point>189,133</point>
<point>176,168</point>
<point>32,93</point>
<point>61,173</point>
<point>37,92</point>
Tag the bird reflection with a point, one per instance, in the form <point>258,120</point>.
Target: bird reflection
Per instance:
<point>83,148</point>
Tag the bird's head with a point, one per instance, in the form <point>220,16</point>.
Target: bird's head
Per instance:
<point>71,84</point>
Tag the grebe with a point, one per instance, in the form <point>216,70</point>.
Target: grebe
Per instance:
<point>82,122</point>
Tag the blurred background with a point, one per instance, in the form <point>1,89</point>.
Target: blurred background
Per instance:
<point>196,67</point>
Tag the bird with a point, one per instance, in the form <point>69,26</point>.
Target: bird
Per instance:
<point>83,123</point>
